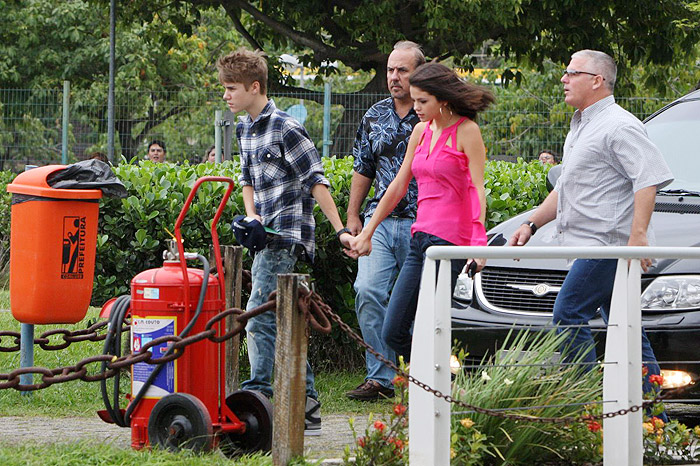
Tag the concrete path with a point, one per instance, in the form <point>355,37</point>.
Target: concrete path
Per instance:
<point>336,433</point>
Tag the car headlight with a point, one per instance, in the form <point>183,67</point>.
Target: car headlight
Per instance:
<point>463,288</point>
<point>675,379</point>
<point>672,293</point>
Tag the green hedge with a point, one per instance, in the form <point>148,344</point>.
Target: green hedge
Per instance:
<point>133,231</point>
<point>5,177</point>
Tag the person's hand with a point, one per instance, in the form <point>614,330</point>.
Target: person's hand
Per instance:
<point>480,263</point>
<point>354,224</point>
<point>347,247</point>
<point>256,217</point>
<point>521,236</point>
<point>640,240</point>
<point>361,244</point>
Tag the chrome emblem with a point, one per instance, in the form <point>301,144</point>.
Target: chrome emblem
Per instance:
<point>538,290</point>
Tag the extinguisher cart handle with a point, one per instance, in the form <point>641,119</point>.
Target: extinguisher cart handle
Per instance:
<point>214,234</point>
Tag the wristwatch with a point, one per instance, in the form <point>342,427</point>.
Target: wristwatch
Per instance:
<point>533,227</point>
<point>341,231</point>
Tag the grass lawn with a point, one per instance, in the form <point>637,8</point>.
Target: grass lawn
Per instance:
<point>90,454</point>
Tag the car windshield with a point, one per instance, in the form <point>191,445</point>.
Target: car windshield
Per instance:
<point>675,132</point>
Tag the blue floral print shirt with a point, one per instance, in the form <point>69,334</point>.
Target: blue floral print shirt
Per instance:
<point>379,149</point>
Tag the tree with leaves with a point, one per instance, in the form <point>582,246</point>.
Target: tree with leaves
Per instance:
<point>360,33</point>
<point>163,62</point>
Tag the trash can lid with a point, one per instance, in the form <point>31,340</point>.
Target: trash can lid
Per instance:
<point>33,183</point>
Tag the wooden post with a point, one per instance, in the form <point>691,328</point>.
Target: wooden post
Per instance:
<point>290,372</point>
<point>232,257</point>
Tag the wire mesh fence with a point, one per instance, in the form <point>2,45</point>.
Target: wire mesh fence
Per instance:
<point>519,125</point>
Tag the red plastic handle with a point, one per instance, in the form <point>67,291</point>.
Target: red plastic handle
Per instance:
<point>214,234</point>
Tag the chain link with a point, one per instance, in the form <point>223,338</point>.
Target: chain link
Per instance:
<point>87,334</point>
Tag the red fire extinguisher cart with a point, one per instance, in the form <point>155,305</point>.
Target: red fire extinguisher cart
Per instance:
<point>182,403</point>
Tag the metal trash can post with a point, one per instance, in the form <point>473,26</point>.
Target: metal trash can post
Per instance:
<point>26,342</point>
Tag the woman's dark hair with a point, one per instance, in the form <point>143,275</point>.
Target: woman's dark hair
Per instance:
<point>442,82</point>
<point>206,154</point>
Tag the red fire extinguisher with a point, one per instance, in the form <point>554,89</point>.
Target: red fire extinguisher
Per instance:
<point>180,401</point>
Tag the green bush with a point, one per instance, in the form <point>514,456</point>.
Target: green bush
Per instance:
<point>133,231</point>
<point>5,178</point>
<point>512,188</point>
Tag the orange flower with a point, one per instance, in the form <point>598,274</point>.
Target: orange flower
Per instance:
<point>656,379</point>
<point>657,423</point>
<point>593,426</point>
<point>645,370</point>
<point>399,409</point>
<point>379,425</point>
<point>399,381</point>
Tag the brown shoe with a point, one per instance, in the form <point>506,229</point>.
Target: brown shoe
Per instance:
<point>370,390</point>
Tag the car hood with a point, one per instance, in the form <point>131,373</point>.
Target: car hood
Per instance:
<point>676,222</point>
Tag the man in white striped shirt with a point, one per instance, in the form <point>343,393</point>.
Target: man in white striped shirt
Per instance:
<point>604,197</point>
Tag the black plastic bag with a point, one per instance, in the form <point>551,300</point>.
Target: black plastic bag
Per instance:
<point>88,174</point>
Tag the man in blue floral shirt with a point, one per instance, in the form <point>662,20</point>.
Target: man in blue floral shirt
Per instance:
<point>379,150</point>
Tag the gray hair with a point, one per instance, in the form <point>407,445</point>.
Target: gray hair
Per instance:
<point>409,45</point>
<point>602,64</point>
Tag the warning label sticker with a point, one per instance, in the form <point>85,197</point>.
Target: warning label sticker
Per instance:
<point>73,254</point>
<point>143,331</point>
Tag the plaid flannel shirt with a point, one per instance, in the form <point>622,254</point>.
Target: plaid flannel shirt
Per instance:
<point>282,165</point>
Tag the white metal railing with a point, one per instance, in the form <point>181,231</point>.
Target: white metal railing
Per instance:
<point>429,416</point>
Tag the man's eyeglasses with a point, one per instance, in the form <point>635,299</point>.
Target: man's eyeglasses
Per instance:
<point>572,73</point>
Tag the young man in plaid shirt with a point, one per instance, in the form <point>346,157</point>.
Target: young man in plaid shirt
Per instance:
<point>281,177</point>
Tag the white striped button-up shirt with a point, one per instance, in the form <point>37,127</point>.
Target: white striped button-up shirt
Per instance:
<point>607,158</point>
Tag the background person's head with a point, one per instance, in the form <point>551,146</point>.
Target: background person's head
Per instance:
<point>548,157</point>
<point>589,77</point>
<point>210,155</point>
<point>452,93</point>
<point>98,156</point>
<point>243,74</point>
<point>157,151</point>
<point>403,60</point>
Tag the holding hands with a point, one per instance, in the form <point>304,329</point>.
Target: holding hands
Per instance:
<point>355,246</point>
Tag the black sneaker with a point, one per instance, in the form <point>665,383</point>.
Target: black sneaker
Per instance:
<point>312,420</point>
<point>370,390</point>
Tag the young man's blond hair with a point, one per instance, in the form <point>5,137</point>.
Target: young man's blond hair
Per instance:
<point>244,66</point>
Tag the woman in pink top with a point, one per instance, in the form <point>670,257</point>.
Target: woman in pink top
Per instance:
<point>446,155</point>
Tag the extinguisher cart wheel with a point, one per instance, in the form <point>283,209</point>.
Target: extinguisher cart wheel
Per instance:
<point>180,421</point>
<point>253,408</point>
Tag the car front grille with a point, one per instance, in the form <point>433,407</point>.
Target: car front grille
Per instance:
<point>501,289</point>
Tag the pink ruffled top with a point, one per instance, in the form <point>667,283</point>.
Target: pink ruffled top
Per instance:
<point>448,202</point>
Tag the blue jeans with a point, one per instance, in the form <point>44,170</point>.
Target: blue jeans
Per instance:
<point>376,275</point>
<point>587,287</point>
<point>404,298</point>
<point>261,331</point>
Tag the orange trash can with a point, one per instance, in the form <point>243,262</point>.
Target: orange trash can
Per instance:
<point>53,239</point>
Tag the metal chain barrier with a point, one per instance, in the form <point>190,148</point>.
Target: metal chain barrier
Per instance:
<point>68,336</point>
<point>317,313</point>
<point>49,377</point>
<point>317,302</point>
